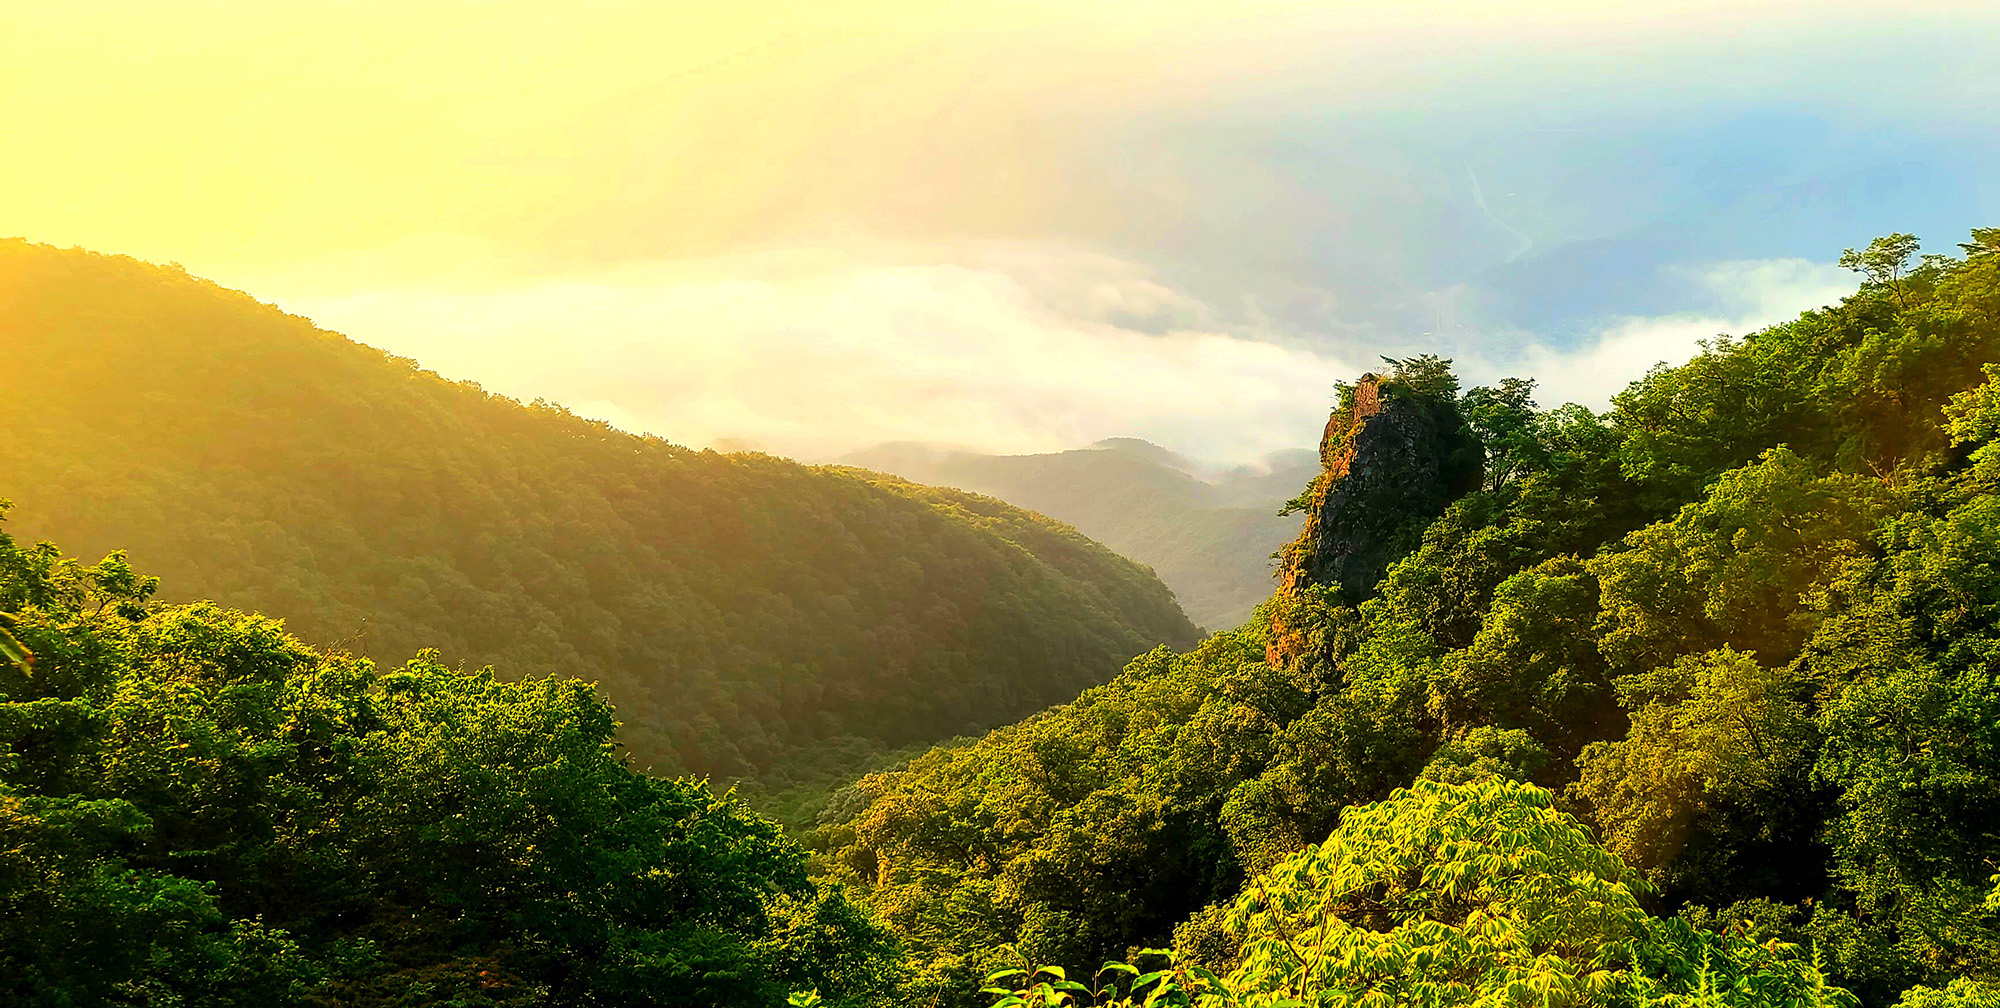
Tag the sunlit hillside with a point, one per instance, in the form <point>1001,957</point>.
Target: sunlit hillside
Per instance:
<point>745,612</point>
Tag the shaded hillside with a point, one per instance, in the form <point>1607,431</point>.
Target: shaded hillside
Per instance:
<point>1210,539</point>
<point>737,608</point>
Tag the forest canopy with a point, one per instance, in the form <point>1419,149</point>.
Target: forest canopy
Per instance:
<point>196,808</point>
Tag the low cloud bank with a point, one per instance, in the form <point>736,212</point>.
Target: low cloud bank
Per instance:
<point>814,353</point>
<point>1006,348</point>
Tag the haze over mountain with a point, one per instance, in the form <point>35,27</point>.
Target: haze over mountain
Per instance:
<point>1208,533</point>
<point>747,614</point>
<point>1018,227</point>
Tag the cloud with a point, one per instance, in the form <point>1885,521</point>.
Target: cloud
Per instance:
<point>813,352</point>
<point>1748,295</point>
<point>1002,347</point>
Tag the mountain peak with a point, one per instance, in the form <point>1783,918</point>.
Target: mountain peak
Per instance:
<point>1149,451</point>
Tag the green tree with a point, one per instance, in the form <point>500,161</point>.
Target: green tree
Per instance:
<point>1534,665</point>
<point>1719,755</point>
<point>1740,566</point>
<point>1985,241</point>
<point>1884,261</point>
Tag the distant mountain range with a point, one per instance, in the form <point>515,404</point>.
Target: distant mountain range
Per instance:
<point>1208,533</point>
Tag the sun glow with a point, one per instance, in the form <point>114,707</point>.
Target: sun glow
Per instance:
<point>1292,168</point>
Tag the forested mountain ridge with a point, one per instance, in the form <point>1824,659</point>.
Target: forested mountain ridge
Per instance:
<point>1208,535</point>
<point>1744,629</point>
<point>746,613</point>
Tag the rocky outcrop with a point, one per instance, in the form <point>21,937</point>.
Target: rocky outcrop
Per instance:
<point>1394,459</point>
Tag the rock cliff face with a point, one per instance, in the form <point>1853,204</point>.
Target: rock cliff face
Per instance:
<point>1394,459</point>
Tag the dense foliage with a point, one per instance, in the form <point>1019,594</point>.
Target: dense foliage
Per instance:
<point>1747,626</point>
<point>195,808</point>
<point>1450,895</point>
<point>746,613</point>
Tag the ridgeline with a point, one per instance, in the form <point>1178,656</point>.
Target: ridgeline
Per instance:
<point>748,615</point>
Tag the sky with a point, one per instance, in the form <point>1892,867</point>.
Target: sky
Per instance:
<point>1013,226</point>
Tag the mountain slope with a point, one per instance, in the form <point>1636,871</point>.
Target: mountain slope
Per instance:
<point>1748,623</point>
<point>1209,539</point>
<point>739,609</point>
